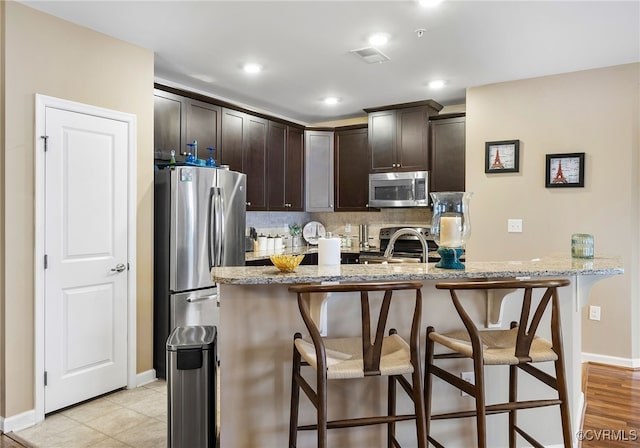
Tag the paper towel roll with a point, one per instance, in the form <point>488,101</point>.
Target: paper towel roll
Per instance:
<point>328,251</point>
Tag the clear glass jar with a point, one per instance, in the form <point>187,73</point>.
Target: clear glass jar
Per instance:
<point>582,245</point>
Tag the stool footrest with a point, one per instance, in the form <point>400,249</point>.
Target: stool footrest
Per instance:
<point>499,408</point>
<point>363,421</point>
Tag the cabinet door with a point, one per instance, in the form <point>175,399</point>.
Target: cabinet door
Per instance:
<point>276,167</point>
<point>447,154</point>
<point>382,140</point>
<point>412,143</point>
<point>351,172</point>
<point>232,139</point>
<point>167,125</point>
<point>318,147</point>
<point>254,162</point>
<point>203,122</point>
<point>294,173</point>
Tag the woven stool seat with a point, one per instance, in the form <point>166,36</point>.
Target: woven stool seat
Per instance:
<point>518,348</point>
<point>351,358</point>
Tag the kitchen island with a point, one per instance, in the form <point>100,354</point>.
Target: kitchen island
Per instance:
<point>258,317</point>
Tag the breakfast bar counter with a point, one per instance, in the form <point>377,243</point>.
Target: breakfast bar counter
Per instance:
<point>259,316</point>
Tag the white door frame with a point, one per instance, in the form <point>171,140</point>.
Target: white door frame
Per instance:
<point>42,102</point>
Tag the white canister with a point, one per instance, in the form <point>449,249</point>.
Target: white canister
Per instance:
<point>270,244</point>
<point>277,244</point>
<point>262,243</point>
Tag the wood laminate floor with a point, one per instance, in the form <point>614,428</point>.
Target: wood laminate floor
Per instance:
<point>612,415</point>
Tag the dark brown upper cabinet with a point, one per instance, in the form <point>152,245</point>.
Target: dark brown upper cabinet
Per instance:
<point>285,168</point>
<point>351,169</point>
<point>399,136</point>
<point>447,152</point>
<point>180,120</point>
<point>244,149</point>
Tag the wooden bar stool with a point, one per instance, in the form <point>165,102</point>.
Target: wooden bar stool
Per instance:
<point>517,347</point>
<point>359,357</point>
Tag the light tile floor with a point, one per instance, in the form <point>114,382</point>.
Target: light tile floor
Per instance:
<point>127,418</point>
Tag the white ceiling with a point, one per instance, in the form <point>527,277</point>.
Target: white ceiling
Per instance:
<point>304,46</point>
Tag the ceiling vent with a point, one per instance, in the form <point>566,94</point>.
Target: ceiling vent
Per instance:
<point>371,55</point>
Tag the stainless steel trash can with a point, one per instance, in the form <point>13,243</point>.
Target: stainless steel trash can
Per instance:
<point>191,387</point>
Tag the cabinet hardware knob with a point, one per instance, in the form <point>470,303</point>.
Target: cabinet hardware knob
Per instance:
<point>249,203</point>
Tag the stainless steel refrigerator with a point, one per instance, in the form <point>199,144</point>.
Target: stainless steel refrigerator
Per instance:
<point>199,222</point>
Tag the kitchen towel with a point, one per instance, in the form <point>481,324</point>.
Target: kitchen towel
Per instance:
<point>328,251</point>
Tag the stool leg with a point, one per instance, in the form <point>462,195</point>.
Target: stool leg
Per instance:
<point>295,396</point>
<point>321,379</point>
<point>391,410</point>
<point>481,417</point>
<point>564,406</point>
<point>418,402</point>
<point>428,361</point>
<point>513,397</point>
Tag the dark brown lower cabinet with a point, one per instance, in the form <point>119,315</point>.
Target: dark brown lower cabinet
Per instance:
<point>351,169</point>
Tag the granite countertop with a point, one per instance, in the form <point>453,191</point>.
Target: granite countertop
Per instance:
<point>555,265</point>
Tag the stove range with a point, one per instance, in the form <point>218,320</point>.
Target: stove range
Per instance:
<point>407,248</point>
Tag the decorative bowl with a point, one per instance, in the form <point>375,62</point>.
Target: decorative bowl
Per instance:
<point>285,262</point>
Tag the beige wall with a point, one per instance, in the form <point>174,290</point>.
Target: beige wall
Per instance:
<point>52,57</point>
<point>2,191</point>
<point>595,112</point>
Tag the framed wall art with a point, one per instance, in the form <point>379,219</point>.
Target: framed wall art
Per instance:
<point>502,156</point>
<point>565,170</point>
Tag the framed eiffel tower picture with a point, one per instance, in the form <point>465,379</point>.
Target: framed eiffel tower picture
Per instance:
<point>502,156</point>
<point>565,170</point>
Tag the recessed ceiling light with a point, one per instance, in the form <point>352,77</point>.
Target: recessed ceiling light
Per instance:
<point>252,68</point>
<point>437,84</point>
<point>430,3</point>
<point>378,39</point>
<point>331,100</point>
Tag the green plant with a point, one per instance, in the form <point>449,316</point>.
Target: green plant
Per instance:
<point>295,229</point>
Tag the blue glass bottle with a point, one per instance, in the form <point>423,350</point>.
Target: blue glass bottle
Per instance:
<point>211,162</point>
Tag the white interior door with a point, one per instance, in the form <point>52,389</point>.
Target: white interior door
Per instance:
<point>85,288</point>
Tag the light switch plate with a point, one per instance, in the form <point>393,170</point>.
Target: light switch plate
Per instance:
<point>514,225</point>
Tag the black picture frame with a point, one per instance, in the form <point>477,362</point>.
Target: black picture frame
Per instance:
<point>502,156</point>
<point>564,170</point>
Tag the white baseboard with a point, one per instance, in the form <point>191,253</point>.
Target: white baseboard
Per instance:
<point>18,422</point>
<point>611,360</point>
<point>145,377</point>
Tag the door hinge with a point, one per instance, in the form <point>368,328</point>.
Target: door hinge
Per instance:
<point>127,266</point>
<point>46,261</point>
<point>46,139</point>
<point>45,378</point>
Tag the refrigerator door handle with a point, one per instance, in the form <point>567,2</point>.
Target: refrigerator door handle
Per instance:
<point>195,299</point>
<point>221,229</point>
<point>211,227</point>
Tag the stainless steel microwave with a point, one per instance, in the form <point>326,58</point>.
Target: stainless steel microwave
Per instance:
<point>409,189</point>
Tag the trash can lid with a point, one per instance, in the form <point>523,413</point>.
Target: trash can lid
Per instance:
<point>196,336</point>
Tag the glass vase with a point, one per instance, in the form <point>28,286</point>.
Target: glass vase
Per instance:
<point>450,226</point>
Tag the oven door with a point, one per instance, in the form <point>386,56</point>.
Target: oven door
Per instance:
<point>398,189</point>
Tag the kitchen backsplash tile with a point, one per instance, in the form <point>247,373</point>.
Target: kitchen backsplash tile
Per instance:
<point>277,223</point>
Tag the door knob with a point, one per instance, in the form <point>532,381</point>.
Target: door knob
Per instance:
<point>119,268</point>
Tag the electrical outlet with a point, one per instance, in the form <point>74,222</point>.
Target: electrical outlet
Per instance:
<point>467,376</point>
<point>514,225</point>
<point>594,312</point>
